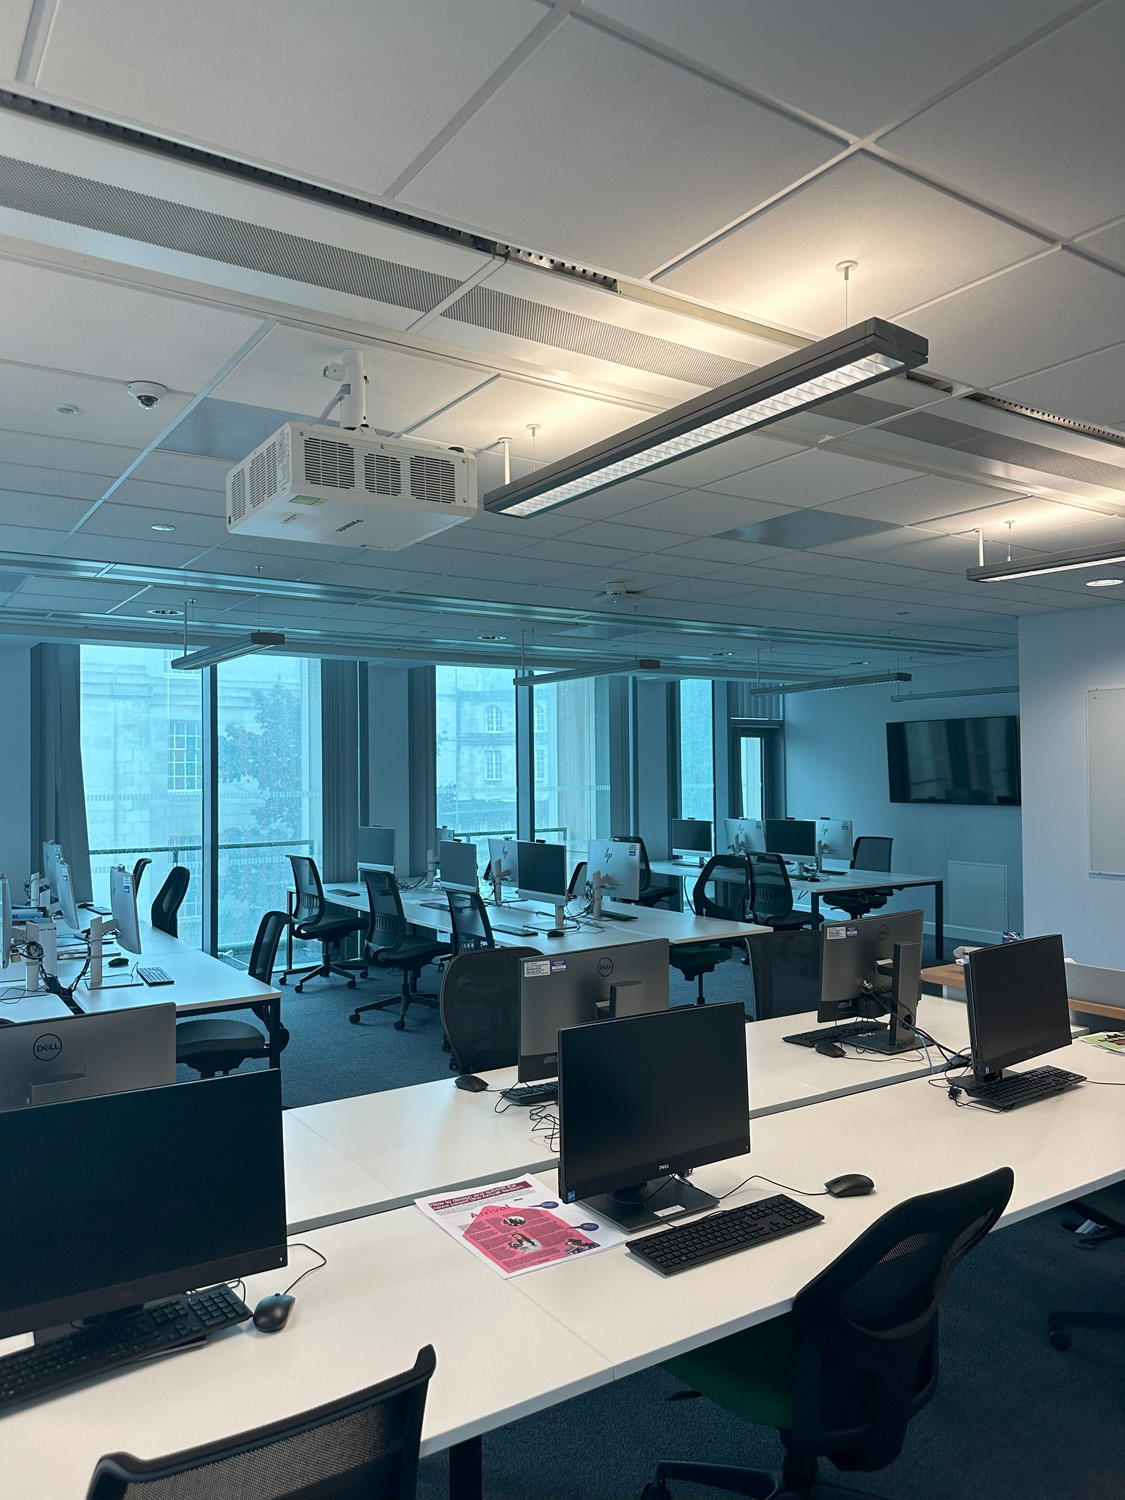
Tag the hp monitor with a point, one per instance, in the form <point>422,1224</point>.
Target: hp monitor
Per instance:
<point>457,866</point>
<point>375,849</point>
<point>76,1057</point>
<point>745,835</point>
<point>503,851</point>
<point>617,865</point>
<point>691,839</point>
<point>148,1193</point>
<point>872,966</point>
<point>600,984</point>
<point>123,905</point>
<point>52,854</point>
<point>5,922</point>
<point>794,838</point>
<point>1017,1002</point>
<point>64,892</point>
<point>646,1098</point>
<point>834,838</point>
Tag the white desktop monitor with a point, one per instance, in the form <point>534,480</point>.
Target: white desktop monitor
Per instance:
<point>64,893</point>
<point>375,849</point>
<point>834,836</point>
<point>505,851</point>
<point>541,872</point>
<point>76,1057</point>
<point>123,905</point>
<point>618,862</point>
<point>457,866</point>
<point>745,835</point>
<point>5,922</point>
<point>691,837</point>
<point>52,858</point>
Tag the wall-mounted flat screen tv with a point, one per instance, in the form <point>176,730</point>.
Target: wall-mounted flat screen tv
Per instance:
<point>955,761</point>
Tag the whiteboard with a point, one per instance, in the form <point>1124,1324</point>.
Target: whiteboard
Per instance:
<point>1105,771</point>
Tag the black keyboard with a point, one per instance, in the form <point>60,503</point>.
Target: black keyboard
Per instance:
<point>514,931</point>
<point>834,1033</point>
<point>532,1093</point>
<point>1023,1088</point>
<point>154,976</point>
<point>175,1323</point>
<point>719,1234</point>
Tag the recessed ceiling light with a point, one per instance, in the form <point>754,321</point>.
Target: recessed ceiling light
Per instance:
<point>1104,583</point>
<point>66,410</point>
<point>162,526</point>
<point>169,614</point>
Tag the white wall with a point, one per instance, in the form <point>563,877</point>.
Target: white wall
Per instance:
<point>836,766</point>
<point>1061,656</point>
<point>15,763</point>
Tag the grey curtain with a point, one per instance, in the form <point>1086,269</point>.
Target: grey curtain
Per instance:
<point>339,727</point>
<point>58,796</point>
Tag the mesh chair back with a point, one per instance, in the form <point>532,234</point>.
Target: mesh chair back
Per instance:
<point>364,1447</point>
<point>169,899</point>
<point>865,1329</point>
<point>310,893</point>
<point>264,952</point>
<point>468,916</point>
<point>646,868</point>
<point>139,868</point>
<point>386,922</point>
<point>732,888</point>
<point>577,883</point>
<point>870,853</point>
<point>771,892</point>
<point>480,1007</point>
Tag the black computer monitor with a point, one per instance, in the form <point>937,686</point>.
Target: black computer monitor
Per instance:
<point>870,966</point>
<point>375,849</point>
<point>1017,1002</point>
<point>690,836</point>
<point>541,872</point>
<point>648,1097</point>
<point>575,988</point>
<point>115,1201</point>
<point>75,1057</point>
<point>795,837</point>
<point>457,866</point>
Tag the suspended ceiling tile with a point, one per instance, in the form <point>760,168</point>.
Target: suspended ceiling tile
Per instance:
<point>912,243</point>
<point>817,475</point>
<point>1057,307</point>
<point>1090,389</point>
<point>522,569</point>
<point>920,499</point>
<point>719,467</point>
<point>1109,242</point>
<point>898,54</point>
<point>187,469</point>
<point>808,528</point>
<point>161,497</point>
<point>346,94</point>
<point>1029,517</point>
<point>141,552</point>
<point>628,532</point>
<point>629,495</point>
<point>701,513</point>
<point>31,479</point>
<point>505,407</point>
<point>711,549</point>
<point>115,520</point>
<point>41,510</point>
<point>587,97</point>
<point>577,554</point>
<point>105,432</point>
<point>1040,134</point>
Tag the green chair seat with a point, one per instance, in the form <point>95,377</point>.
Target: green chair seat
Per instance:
<point>750,1373</point>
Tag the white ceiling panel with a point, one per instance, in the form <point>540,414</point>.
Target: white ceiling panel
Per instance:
<point>624,172</point>
<point>1041,133</point>
<point>898,52</point>
<point>347,93</point>
<point>630,494</point>
<point>506,407</point>
<point>1109,242</point>
<point>112,520</point>
<point>919,500</point>
<point>107,415</point>
<point>816,475</point>
<point>1056,307</point>
<point>95,327</point>
<point>617,533</point>
<point>722,466</point>
<point>41,510</point>
<point>1090,389</point>
<point>911,241</point>
<point>39,450</point>
<point>34,479</point>
<point>160,497</point>
<point>126,550</point>
<point>14,16</point>
<point>701,513</point>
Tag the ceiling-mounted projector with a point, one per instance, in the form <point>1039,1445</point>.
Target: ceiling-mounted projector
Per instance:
<point>335,488</point>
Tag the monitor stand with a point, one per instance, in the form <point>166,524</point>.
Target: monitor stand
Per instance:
<point>902,1003</point>
<point>646,1205</point>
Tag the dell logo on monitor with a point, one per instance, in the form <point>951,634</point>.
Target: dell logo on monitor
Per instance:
<point>47,1047</point>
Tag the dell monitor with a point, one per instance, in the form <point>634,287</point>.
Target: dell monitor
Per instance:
<point>76,1057</point>
<point>834,838</point>
<point>541,876</point>
<point>503,853</point>
<point>745,835</point>
<point>123,906</point>
<point>793,838</point>
<point>147,1194</point>
<point>457,866</point>
<point>599,984</point>
<point>613,867</point>
<point>64,891</point>
<point>1017,1003</point>
<point>375,849</point>
<point>645,1099</point>
<point>869,967</point>
<point>691,839</point>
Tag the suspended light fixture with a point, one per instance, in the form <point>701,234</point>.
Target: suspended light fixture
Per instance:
<point>243,645</point>
<point>856,357</point>
<point>1047,562</point>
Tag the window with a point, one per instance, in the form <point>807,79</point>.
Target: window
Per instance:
<point>540,763</point>
<point>540,716</point>
<point>697,756</point>
<point>142,737</point>
<point>476,763</point>
<point>572,799</point>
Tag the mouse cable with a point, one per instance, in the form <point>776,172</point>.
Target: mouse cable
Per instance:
<point>820,1193</point>
<point>300,1245</point>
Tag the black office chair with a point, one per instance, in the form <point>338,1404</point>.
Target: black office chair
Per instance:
<point>730,876</point>
<point>1107,1209</point>
<point>653,892</point>
<point>771,900</point>
<point>576,886</point>
<point>868,853</point>
<point>480,1007</point>
<point>388,945</point>
<point>311,923</point>
<point>216,1044</point>
<point>363,1445</point>
<point>841,1376</point>
<point>468,917</point>
<point>169,899</point>
<point>139,868</point>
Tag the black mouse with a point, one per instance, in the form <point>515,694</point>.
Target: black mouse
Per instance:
<point>272,1313</point>
<point>850,1185</point>
<point>117,963</point>
<point>828,1048</point>
<point>471,1083</point>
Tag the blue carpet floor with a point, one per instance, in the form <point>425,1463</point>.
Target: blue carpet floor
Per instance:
<point>1013,1419</point>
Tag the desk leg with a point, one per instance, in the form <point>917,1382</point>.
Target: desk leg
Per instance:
<point>939,920</point>
<point>814,907</point>
<point>466,1473</point>
<point>273,1026</point>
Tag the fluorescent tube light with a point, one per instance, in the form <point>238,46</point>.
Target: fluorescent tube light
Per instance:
<point>856,357</point>
<point>1057,562</point>
<point>243,645</point>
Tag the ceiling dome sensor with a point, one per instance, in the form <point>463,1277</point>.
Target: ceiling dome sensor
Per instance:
<point>146,393</point>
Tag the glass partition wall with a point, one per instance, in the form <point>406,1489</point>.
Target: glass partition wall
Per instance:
<point>571,763</point>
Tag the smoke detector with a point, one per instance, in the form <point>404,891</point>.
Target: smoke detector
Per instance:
<point>617,588</point>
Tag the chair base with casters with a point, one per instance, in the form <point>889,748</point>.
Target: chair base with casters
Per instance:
<point>412,957</point>
<point>1107,1209</point>
<point>326,968</point>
